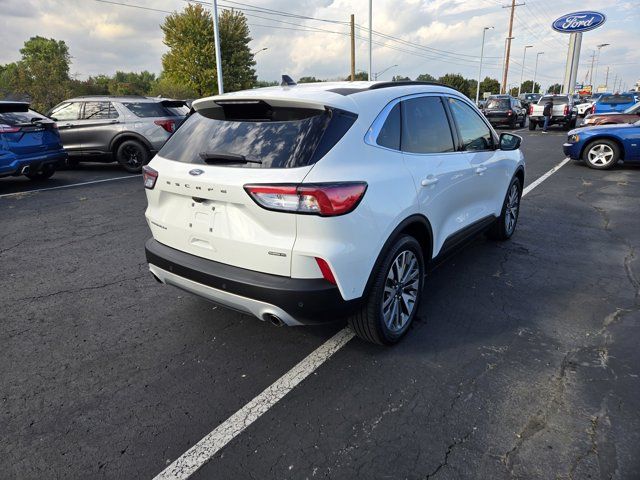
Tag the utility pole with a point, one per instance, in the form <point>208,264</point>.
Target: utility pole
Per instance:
<point>216,33</point>
<point>506,61</point>
<point>370,39</point>
<point>606,80</point>
<point>353,48</point>
<point>599,47</point>
<point>615,80</point>
<point>593,57</point>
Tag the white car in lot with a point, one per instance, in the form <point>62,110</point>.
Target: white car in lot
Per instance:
<point>305,203</point>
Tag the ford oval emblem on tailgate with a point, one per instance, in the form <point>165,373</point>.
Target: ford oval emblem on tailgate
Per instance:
<point>196,171</point>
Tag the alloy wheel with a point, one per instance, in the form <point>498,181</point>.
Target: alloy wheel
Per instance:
<point>401,290</point>
<point>511,210</point>
<point>600,155</point>
<point>132,155</point>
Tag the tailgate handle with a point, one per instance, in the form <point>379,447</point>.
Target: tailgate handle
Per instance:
<point>198,199</point>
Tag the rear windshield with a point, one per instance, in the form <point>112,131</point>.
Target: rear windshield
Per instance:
<point>17,118</point>
<point>555,100</point>
<point>270,138</point>
<point>154,109</point>
<point>617,99</point>
<point>498,103</point>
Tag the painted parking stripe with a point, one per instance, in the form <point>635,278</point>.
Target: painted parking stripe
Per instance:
<point>68,186</point>
<point>194,458</point>
<point>201,452</point>
<point>541,179</point>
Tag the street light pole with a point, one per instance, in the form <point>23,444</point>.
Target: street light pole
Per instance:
<point>598,58</point>
<point>216,33</point>
<point>375,75</point>
<point>370,38</point>
<point>522,72</point>
<point>535,72</point>
<point>484,31</point>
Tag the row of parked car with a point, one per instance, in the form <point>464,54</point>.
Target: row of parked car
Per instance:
<point>128,130</point>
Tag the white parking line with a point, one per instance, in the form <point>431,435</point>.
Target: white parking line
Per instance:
<point>194,458</point>
<point>68,186</point>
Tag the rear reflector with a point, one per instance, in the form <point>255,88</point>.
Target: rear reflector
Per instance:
<point>8,128</point>
<point>326,270</point>
<point>150,176</point>
<point>168,125</point>
<point>324,199</point>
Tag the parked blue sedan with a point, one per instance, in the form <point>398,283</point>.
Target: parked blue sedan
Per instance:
<point>602,146</point>
<point>29,142</point>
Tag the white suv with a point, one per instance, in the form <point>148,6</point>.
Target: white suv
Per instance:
<point>302,204</point>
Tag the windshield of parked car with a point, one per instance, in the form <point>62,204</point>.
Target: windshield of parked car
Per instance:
<point>154,109</point>
<point>555,100</point>
<point>498,104</point>
<point>616,99</point>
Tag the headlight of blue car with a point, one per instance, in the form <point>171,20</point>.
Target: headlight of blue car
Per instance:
<point>574,138</point>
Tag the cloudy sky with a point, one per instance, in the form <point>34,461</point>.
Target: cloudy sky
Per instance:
<point>420,36</point>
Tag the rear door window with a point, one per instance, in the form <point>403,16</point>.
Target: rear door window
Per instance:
<point>99,111</point>
<point>257,136</point>
<point>425,126</point>
<point>67,111</point>
<point>474,133</point>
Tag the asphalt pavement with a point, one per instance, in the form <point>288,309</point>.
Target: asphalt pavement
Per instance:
<point>523,362</point>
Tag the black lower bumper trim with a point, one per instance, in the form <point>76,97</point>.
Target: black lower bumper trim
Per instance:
<point>309,301</point>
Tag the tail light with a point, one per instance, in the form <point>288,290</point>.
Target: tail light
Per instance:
<point>326,270</point>
<point>324,199</point>
<point>168,125</point>
<point>509,113</point>
<point>8,128</point>
<point>531,109</point>
<point>566,110</point>
<point>150,176</point>
<point>593,108</point>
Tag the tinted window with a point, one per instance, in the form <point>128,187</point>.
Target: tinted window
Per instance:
<point>99,111</point>
<point>389,135</point>
<point>276,144</point>
<point>425,127</point>
<point>66,111</point>
<point>474,132</point>
<point>15,118</point>
<point>151,109</point>
<point>616,99</point>
<point>497,104</point>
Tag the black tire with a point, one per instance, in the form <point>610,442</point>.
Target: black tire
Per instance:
<point>609,154</point>
<point>368,322</point>
<point>44,173</point>
<point>514,120</point>
<point>132,155</point>
<point>573,123</point>
<point>505,226</point>
<point>566,126</point>
<point>532,125</point>
<point>72,162</point>
<point>524,121</point>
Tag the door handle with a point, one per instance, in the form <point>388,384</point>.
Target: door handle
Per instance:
<point>480,169</point>
<point>429,181</point>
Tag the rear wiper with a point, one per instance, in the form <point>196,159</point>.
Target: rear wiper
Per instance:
<point>211,157</point>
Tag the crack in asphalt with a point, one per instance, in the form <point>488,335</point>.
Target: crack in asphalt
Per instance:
<point>448,453</point>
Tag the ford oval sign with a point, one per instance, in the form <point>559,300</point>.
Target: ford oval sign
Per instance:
<point>196,172</point>
<point>578,22</point>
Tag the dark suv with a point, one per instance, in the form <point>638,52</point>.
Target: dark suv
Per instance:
<point>505,110</point>
<point>129,129</point>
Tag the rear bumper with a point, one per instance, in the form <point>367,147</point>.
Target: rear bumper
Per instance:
<point>295,301</point>
<point>14,164</point>
<point>502,120</point>
<point>553,120</point>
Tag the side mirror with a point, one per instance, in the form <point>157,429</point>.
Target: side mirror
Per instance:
<point>53,118</point>
<point>509,141</point>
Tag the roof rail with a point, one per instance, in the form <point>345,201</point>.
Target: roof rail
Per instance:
<point>376,86</point>
<point>107,95</point>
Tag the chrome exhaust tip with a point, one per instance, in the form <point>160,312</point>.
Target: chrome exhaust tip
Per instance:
<point>275,320</point>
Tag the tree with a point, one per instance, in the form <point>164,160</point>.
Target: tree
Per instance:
<point>131,83</point>
<point>359,76</point>
<point>265,83</point>
<point>400,78</point>
<point>41,75</point>
<point>472,87</point>
<point>164,87</point>
<point>190,61</point>
<point>425,77</point>
<point>490,85</point>
<point>555,88</point>
<point>308,80</point>
<point>527,87</point>
<point>456,81</point>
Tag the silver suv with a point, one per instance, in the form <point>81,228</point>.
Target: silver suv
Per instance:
<point>128,129</point>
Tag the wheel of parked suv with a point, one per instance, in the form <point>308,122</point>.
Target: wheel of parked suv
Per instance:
<point>132,155</point>
<point>524,121</point>
<point>532,125</point>
<point>394,296</point>
<point>601,154</point>
<point>506,224</point>
<point>44,173</point>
